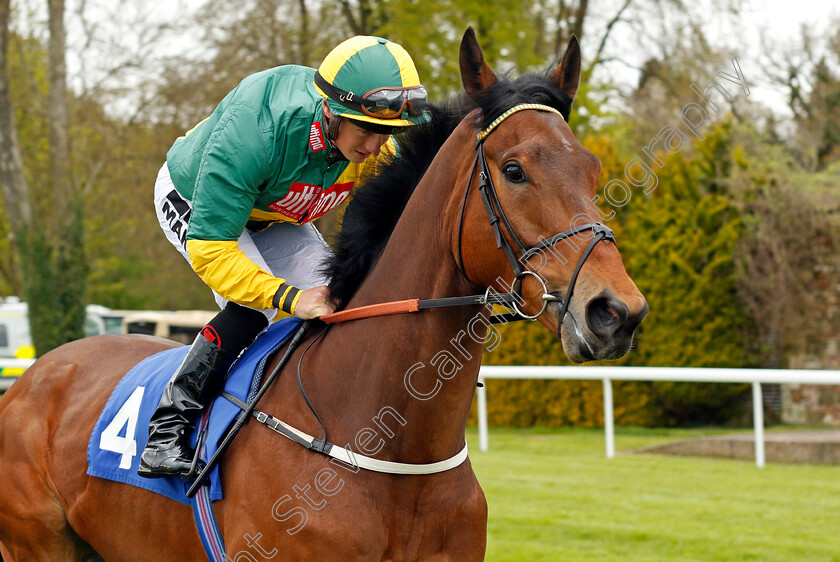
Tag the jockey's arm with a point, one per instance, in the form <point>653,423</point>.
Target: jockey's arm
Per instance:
<point>225,191</point>
<point>217,222</point>
<point>229,272</point>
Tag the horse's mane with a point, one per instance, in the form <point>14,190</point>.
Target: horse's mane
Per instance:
<point>373,213</point>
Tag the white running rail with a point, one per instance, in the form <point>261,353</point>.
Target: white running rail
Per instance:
<point>608,374</point>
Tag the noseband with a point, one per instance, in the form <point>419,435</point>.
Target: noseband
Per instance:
<point>498,220</point>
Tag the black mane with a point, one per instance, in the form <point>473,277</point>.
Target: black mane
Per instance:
<point>373,213</point>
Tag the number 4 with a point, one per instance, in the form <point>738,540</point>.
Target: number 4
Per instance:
<point>111,440</point>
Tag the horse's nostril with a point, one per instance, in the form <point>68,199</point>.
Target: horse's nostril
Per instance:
<point>605,314</point>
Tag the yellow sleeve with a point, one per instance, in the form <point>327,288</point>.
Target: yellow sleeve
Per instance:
<point>229,272</point>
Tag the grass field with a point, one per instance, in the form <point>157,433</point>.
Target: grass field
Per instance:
<point>553,495</point>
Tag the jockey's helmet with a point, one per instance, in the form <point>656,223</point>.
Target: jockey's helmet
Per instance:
<point>373,81</point>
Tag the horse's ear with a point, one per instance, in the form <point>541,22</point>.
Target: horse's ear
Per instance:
<point>567,73</point>
<point>476,74</point>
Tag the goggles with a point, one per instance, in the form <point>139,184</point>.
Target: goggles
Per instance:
<point>382,103</point>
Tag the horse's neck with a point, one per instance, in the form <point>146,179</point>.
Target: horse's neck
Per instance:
<point>416,372</point>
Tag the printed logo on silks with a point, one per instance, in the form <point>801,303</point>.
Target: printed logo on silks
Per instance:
<point>330,199</point>
<point>297,201</point>
<point>311,201</point>
<point>316,138</point>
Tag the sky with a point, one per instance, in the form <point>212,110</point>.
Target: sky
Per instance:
<point>783,19</point>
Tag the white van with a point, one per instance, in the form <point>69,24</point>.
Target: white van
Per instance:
<point>180,325</point>
<point>103,320</point>
<point>15,340</point>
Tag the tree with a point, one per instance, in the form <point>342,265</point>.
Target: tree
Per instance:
<point>68,278</point>
<point>809,72</point>
<point>787,266</point>
<point>15,191</point>
<point>50,248</point>
<point>24,226</point>
<point>818,125</point>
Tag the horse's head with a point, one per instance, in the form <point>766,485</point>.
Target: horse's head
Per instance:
<point>545,183</point>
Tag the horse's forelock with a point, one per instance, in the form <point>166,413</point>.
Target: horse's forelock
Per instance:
<point>528,88</point>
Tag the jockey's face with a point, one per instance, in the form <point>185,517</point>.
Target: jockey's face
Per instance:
<point>355,143</point>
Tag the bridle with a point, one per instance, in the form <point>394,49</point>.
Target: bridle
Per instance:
<point>498,220</point>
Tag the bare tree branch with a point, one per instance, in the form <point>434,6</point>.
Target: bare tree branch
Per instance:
<point>11,166</point>
<point>304,32</point>
<point>580,16</point>
<point>100,164</point>
<point>355,25</point>
<point>58,123</point>
<point>607,30</point>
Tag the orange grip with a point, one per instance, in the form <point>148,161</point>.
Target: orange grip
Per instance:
<point>371,310</point>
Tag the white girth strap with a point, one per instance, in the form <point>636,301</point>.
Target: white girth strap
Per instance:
<point>349,457</point>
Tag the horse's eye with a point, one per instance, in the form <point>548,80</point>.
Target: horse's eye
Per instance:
<point>514,172</point>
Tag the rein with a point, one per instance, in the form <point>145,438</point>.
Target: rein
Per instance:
<point>497,217</point>
<point>416,305</point>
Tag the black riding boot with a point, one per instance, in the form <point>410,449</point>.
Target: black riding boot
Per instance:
<point>168,451</point>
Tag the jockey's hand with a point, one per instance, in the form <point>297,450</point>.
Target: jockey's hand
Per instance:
<point>313,303</point>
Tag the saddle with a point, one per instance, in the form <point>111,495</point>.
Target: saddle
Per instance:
<point>121,431</point>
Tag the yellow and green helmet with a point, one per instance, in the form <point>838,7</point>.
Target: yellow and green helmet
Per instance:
<point>373,80</point>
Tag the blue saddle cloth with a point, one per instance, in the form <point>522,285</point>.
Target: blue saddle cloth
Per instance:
<point>122,430</point>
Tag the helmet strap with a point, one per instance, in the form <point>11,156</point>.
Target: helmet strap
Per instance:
<point>333,123</point>
<point>332,127</point>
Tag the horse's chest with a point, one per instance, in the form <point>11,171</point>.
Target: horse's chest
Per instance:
<point>329,512</point>
<point>447,521</point>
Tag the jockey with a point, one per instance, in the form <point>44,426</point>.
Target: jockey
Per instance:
<point>237,196</point>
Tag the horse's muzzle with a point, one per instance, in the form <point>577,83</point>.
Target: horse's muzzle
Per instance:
<point>600,329</point>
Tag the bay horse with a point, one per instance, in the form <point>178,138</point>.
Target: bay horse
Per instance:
<point>397,388</point>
